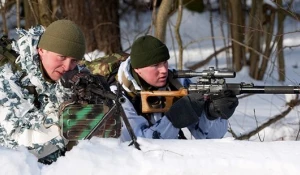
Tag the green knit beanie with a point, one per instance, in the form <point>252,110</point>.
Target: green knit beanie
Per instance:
<point>64,37</point>
<point>148,50</point>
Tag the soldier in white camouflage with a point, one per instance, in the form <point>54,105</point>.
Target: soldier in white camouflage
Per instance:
<point>30,96</point>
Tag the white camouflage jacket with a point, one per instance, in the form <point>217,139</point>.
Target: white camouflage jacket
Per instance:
<point>21,123</point>
<point>161,127</point>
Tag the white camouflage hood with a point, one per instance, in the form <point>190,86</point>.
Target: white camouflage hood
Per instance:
<point>21,123</point>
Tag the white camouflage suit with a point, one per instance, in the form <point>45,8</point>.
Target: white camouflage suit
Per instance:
<point>161,127</point>
<point>21,123</point>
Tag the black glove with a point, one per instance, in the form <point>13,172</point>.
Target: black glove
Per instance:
<point>222,106</point>
<point>186,110</point>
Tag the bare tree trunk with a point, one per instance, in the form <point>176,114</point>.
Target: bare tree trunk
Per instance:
<point>162,18</point>
<point>99,20</point>
<point>3,15</point>
<point>55,6</point>
<point>18,13</point>
<point>106,25</point>
<point>237,30</point>
<point>178,38</point>
<point>45,17</point>
<point>39,12</point>
<point>153,16</point>
<point>253,35</point>
<point>268,34</point>
<point>31,13</point>
<point>224,15</point>
<point>279,36</point>
<point>212,32</point>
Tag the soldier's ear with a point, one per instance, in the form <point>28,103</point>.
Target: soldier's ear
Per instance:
<point>41,52</point>
<point>138,71</point>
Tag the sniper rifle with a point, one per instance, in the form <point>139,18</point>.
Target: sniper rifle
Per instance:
<point>211,84</point>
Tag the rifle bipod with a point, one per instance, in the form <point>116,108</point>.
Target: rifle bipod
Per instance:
<point>118,110</point>
<point>127,124</point>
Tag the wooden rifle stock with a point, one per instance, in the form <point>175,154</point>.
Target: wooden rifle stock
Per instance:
<point>169,97</point>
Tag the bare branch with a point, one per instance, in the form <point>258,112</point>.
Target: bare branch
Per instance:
<point>274,119</point>
<point>208,59</point>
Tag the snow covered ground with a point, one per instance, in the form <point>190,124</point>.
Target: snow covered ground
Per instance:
<point>167,157</point>
<point>274,151</point>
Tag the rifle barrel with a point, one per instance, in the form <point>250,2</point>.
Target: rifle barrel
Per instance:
<point>251,89</point>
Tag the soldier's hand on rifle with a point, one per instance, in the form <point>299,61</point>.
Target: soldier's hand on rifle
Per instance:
<point>186,110</point>
<point>80,83</point>
<point>69,77</point>
<point>86,87</point>
<point>222,106</point>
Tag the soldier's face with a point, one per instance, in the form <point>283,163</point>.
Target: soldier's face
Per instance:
<point>56,64</point>
<point>155,75</point>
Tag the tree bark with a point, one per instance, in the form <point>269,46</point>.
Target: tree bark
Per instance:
<point>99,20</point>
<point>237,31</point>
<point>3,15</point>
<point>44,12</point>
<point>178,37</point>
<point>268,34</point>
<point>31,13</point>
<point>162,18</point>
<point>253,36</point>
<point>279,36</point>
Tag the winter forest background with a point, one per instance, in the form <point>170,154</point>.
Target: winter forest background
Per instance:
<point>259,39</point>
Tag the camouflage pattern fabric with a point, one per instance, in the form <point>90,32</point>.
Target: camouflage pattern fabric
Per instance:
<point>78,121</point>
<point>21,123</point>
<point>106,65</point>
<point>7,54</point>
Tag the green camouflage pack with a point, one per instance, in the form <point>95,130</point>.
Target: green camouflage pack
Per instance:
<point>79,122</point>
<point>82,121</point>
<point>106,66</point>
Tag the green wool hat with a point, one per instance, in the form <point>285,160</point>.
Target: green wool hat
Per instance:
<point>148,50</point>
<point>64,37</point>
